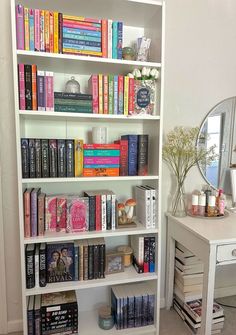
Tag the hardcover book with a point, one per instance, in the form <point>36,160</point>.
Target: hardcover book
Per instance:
<point>142,155</point>
<point>32,158</point>
<point>21,85</point>
<point>25,157</point>
<point>70,161</point>
<point>34,211</point>
<point>50,213</point>
<point>78,144</point>
<point>38,159</point>
<point>34,88</point>
<point>20,27</point>
<point>53,158</point>
<point>28,87</point>
<point>132,153</point>
<point>61,158</point>
<point>30,266</point>
<point>45,158</point>
<point>30,315</point>
<point>42,265</point>
<point>77,214</point>
<point>61,213</point>
<point>145,96</point>
<point>27,210</point>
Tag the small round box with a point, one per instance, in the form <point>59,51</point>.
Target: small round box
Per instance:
<point>105,318</point>
<point>127,251</point>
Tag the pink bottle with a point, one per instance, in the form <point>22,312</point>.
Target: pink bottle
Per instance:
<point>202,204</point>
<point>194,208</point>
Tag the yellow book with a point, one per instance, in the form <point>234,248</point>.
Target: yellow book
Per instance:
<point>55,29</point>
<point>26,18</point>
<point>79,18</point>
<point>100,94</point>
<point>82,52</point>
<point>79,155</point>
<point>126,95</point>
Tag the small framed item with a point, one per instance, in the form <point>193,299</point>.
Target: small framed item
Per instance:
<point>114,262</point>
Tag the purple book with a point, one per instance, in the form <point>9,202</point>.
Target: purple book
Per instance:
<point>20,32</point>
<point>34,211</point>
<point>41,90</point>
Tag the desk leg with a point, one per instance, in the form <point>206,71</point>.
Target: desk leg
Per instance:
<point>170,270</point>
<point>208,291</point>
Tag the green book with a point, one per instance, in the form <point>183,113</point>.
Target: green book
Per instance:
<point>72,102</point>
<point>110,94</point>
<point>72,109</point>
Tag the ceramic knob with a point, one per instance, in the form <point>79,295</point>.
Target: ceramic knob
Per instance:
<point>234,253</point>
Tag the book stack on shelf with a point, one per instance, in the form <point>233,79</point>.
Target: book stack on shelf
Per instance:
<point>73,102</point>
<point>144,251</point>
<point>188,291</point>
<point>132,306</point>
<point>52,313</point>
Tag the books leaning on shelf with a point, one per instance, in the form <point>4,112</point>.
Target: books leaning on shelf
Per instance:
<point>146,210</point>
<point>52,313</point>
<point>59,262</point>
<point>54,32</point>
<point>133,305</point>
<point>144,253</point>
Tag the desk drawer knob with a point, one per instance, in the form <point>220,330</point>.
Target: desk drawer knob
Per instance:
<point>234,253</point>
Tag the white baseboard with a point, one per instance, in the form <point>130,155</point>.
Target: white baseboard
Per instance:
<point>163,303</point>
<point>15,326</point>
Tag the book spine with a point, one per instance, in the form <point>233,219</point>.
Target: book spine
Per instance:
<point>42,267</point>
<point>31,29</point>
<point>81,18</point>
<point>47,30</point>
<point>28,87</point>
<point>99,172</point>
<point>120,39</point>
<point>131,96</point>
<point>60,32</point>
<point>92,211</point>
<point>130,318</point>
<point>102,146</point>
<point>146,255</point>
<point>70,161</point>
<point>72,51</point>
<point>96,261</point>
<point>108,212</point>
<point>83,23</point>
<point>42,31</point>
<point>30,320</point>
<point>37,30</point>
<point>151,309</point>
<point>142,155</point>
<point>61,157</point>
<point>27,226</point>
<point>114,39</point>
<point>80,26</point>
<point>102,256</point>
<point>37,322</point>
<point>38,159</point>
<point>21,80</point>
<point>152,253</point>
<point>105,94</point>
<point>101,160</point>
<point>32,158</point>
<point>126,95</point>
<point>90,262</point>
<point>36,266</point>
<point>100,94</point>
<point>51,32</point>
<point>98,213</point>
<point>61,213</point>
<point>85,262</point>
<point>101,166</point>
<point>138,311</point>
<point>115,94</point>
<point>120,95</point>
<point>154,207</point>
<point>132,154</point>
<point>34,213</point>
<point>109,38</point>
<point>50,213</point>
<point>49,91</point>
<point>53,158</point>
<point>41,217</point>
<point>82,38</point>
<point>76,262</point>
<point>20,31</point>
<point>144,310</point>
<point>81,42</point>
<point>73,96</point>
<point>41,90</point>
<point>84,104</point>
<point>110,93</point>
<point>104,38</point>
<point>56,33</point>
<point>73,109</point>
<point>113,212</point>
<point>25,157</point>
<point>103,212</point>
<point>45,158</point>
<point>26,26</point>
<point>82,32</point>
<point>81,261</point>
<point>123,157</point>
<point>101,153</point>
<point>30,268</point>
<point>34,87</point>
<point>78,144</point>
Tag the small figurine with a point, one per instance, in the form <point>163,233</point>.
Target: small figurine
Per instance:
<point>126,213</point>
<point>72,86</point>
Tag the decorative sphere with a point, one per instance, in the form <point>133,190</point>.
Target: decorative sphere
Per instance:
<point>72,86</point>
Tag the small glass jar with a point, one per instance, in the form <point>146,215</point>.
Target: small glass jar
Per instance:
<point>128,53</point>
<point>127,251</point>
<point>105,318</point>
<point>72,86</point>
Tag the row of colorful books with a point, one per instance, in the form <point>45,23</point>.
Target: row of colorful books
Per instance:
<point>60,262</point>
<point>71,213</point>
<point>43,158</point>
<point>133,305</point>
<point>35,88</point>
<point>54,32</point>
<point>144,253</point>
<point>52,313</point>
<point>73,102</point>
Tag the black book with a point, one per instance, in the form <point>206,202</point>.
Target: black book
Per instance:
<point>108,211</point>
<point>32,158</point>
<point>102,259</point>
<point>45,158</point>
<point>70,161</point>
<point>90,260</point>
<point>142,155</point>
<point>96,260</point>
<point>38,159</point>
<point>37,315</point>
<point>25,157</point>
<point>61,158</point>
<point>30,265</point>
<point>72,96</point>
<point>28,87</point>
<point>30,315</point>
<point>52,158</point>
<point>42,265</point>
<point>92,210</point>
<point>146,254</point>
<point>60,33</point>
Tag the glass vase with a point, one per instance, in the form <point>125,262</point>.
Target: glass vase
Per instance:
<point>179,208</point>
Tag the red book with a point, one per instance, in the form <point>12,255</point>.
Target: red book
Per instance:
<point>61,213</point>
<point>51,213</point>
<point>51,32</point>
<point>102,146</point>
<point>93,89</point>
<point>101,172</point>
<point>98,225</point>
<point>79,25</point>
<point>21,80</point>
<point>104,38</point>
<point>34,88</point>
<point>131,96</point>
<point>26,199</point>
<point>105,94</point>
<point>123,156</point>
<point>82,23</point>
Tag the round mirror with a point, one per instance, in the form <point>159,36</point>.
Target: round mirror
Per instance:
<point>218,128</point>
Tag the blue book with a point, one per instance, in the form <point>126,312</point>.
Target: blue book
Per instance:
<point>151,307</point>
<point>81,42</point>
<point>114,39</point>
<point>31,29</point>
<point>132,154</point>
<point>83,32</point>
<point>101,166</point>
<point>138,302</point>
<point>119,39</point>
<point>152,250</point>
<point>30,315</point>
<point>34,211</point>
<point>82,37</point>
<point>115,94</point>
<point>80,47</point>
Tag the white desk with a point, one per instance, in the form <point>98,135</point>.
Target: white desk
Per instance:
<point>214,242</point>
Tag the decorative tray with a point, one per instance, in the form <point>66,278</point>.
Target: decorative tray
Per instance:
<point>209,217</point>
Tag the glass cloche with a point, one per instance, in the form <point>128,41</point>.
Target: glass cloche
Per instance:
<point>72,86</point>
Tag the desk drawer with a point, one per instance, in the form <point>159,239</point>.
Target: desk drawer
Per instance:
<point>226,253</point>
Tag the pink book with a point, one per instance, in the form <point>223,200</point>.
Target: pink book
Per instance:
<point>77,214</point>
<point>61,213</point>
<point>37,29</point>
<point>21,81</point>
<point>101,160</point>
<point>85,24</point>
<point>42,45</point>
<point>131,96</point>
<point>80,26</point>
<point>20,31</point>
<point>50,213</point>
<point>49,90</point>
<point>98,223</point>
<point>93,89</point>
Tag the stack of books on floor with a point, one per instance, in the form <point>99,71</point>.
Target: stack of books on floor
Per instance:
<point>72,102</point>
<point>188,291</point>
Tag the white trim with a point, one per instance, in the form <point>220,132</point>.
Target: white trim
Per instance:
<point>228,291</point>
<point>15,326</point>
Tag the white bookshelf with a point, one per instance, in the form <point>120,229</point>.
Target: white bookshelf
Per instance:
<point>140,17</point>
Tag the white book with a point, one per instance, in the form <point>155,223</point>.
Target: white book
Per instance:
<point>189,269</point>
<point>188,279</point>
<point>104,211</point>
<point>36,265</point>
<point>109,35</point>
<point>143,206</point>
<point>137,244</point>
<point>153,205</point>
<point>187,253</point>
<point>191,260</point>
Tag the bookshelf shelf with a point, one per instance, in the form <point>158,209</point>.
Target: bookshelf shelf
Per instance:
<point>128,276</point>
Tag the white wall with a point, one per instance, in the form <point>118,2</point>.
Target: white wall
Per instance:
<point>200,72</point>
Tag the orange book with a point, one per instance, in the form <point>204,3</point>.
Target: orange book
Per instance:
<point>56,33</point>
<point>46,31</point>
<point>100,94</point>
<point>104,38</point>
<point>51,37</point>
<point>34,87</point>
<point>101,172</point>
<point>105,94</point>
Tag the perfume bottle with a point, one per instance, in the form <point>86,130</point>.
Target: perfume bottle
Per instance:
<point>218,199</point>
<point>222,204</point>
<point>194,208</point>
<point>202,204</point>
<point>211,206</point>
<point>207,191</point>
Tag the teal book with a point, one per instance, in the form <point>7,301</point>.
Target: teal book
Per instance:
<point>110,94</point>
<point>114,39</point>
<point>73,109</point>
